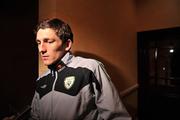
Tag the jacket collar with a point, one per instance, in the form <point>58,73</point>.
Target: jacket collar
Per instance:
<point>61,63</point>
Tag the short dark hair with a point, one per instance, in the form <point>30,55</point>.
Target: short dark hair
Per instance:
<point>63,30</point>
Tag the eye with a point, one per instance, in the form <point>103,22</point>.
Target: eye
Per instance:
<point>50,41</point>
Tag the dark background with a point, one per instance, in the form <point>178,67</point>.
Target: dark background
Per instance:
<point>159,74</point>
<point>18,54</point>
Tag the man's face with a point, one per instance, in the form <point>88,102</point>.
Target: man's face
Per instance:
<point>51,48</point>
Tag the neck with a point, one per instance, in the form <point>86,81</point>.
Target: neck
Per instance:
<point>57,65</point>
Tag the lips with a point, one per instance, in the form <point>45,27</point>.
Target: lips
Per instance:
<point>44,57</point>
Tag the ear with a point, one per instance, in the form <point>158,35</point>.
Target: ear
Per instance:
<point>68,45</point>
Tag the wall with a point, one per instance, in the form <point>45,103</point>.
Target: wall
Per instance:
<point>104,30</point>
<point>156,14</point>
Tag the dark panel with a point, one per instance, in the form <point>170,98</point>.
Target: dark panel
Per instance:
<point>159,74</point>
<point>19,61</point>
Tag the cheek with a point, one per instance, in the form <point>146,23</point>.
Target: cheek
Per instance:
<point>57,52</point>
<point>57,47</point>
<point>54,48</point>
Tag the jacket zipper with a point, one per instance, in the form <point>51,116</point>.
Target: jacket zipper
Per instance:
<point>52,95</point>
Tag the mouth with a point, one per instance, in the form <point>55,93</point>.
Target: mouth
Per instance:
<point>44,58</point>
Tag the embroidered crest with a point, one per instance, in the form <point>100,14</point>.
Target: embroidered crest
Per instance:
<point>69,81</point>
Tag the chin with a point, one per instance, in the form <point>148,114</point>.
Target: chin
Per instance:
<point>47,64</point>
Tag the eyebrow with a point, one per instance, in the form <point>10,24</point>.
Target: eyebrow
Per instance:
<point>45,39</point>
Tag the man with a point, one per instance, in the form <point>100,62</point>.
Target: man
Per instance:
<point>74,88</point>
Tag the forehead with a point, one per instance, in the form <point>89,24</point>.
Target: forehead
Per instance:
<point>46,33</point>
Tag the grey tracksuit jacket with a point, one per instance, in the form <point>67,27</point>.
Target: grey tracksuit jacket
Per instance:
<point>81,90</point>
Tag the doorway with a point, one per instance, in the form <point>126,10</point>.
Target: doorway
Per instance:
<point>159,74</point>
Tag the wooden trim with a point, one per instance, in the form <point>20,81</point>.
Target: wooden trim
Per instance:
<point>129,90</point>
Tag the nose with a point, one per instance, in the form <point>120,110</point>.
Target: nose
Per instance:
<point>42,48</point>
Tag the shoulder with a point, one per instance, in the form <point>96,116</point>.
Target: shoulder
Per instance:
<point>88,63</point>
